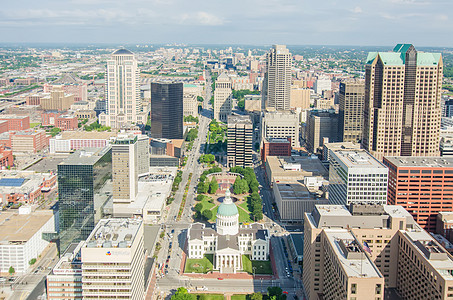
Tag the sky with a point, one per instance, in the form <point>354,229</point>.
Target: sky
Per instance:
<point>424,23</point>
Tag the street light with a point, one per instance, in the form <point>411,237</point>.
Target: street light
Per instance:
<point>254,270</point>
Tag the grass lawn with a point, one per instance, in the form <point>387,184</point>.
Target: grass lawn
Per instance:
<point>244,205</point>
<point>34,124</point>
<point>203,265</point>
<point>214,214</point>
<point>206,204</point>
<point>208,296</point>
<point>262,267</point>
<point>239,297</point>
<point>244,217</point>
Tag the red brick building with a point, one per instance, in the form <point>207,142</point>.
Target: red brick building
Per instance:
<point>67,122</point>
<point>6,158</point>
<point>422,185</point>
<point>16,122</point>
<point>49,118</point>
<point>275,147</point>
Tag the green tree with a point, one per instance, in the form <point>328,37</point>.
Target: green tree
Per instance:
<point>192,134</point>
<point>213,186</point>
<point>237,187</point>
<point>202,187</point>
<point>198,207</point>
<point>182,294</point>
<point>11,270</point>
<point>200,197</point>
<point>274,291</point>
<point>207,214</point>
<point>32,261</point>
<point>256,296</point>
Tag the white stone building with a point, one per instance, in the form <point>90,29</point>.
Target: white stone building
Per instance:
<point>223,98</point>
<point>229,241</point>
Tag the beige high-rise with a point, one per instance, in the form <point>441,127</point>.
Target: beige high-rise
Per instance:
<point>350,123</point>
<point>353,253</point>
<point>57,100</point>
<point>223,98</point>
<point>277,81</point>
<point>300,98</point>
<point>402,102</point>
<point>122,85</point>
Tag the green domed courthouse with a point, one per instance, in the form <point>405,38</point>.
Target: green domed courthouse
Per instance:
<point>229,241</point>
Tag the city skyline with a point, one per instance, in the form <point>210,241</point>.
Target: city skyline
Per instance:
<point>252,22</point>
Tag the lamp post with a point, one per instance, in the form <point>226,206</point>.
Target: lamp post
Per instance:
<point>254,270</point>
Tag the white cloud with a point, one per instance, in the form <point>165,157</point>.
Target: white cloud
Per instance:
<point>357,10</point>
<point>202,18</point>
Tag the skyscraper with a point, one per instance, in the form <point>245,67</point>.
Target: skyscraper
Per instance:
<point>223,98</point>
<point>352,97</point>
<point>240,136</point>
<point>167,110</point>
<point>130,158</point>
<point>122,85</point>
<point>81,178</point>
<point>402,102</point>
<point>277,81</point>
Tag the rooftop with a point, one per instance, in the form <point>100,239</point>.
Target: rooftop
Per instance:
<point>421,162</point>
<point>122,52</point>
<point>114,233</point>
<point>85,156</point>
<point>86,135</point>
<point>351,256</point>
<point>358,159</point>
<point>238,119</point>
<point>18,228</point>
<point>294,167</point>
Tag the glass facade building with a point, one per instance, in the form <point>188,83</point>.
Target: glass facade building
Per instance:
<point>82,192</point>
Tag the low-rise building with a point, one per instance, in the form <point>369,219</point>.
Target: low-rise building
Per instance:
<point>252,103</point>
<point>65,280</point>
<point>190,105</point>
<point>229,241</point>
<point>29,141</point>
<point>21,237</point>
<point>24,186</point>
<point>275,147</point>
<point>280,169</point>
<point>69,141</point>
<point>16,122</point>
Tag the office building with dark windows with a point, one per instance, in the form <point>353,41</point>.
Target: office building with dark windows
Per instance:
<point>82,192</point>
<point>167,110</point>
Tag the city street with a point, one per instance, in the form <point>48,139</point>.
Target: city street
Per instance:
<point>176,230</point>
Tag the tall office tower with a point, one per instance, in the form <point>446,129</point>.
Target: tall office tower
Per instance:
<point>300,98</point>
<point>277,81</point>
<point>167,110</point>
<point>281,124</point>
<point>130,159</point>
<point>113,261</point>
<point>240,137</point>
<point>355,253</point>
<point>352,99</point>
<point>321,124</point>
<point>223,98</point>
<point>81,193</point>
<point>356,177</point>
<point>57,100</point>
<point>422,185</point>
<point>322,84</point>
<point>122,84</point>
<point>402,102</point>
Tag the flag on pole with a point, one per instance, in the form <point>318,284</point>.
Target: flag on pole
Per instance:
<point>366,247</point>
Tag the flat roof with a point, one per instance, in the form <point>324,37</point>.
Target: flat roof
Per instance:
<point>298,242</point>
<point>309,167</point>
<point>293,191</point>
<point>421,161</point>
<point>358,159</point>
<point>114,233</point>
<point>18,228</point>
<point>239,119</point>
<point>353,267</point>
<point>86,135</point>
<point>85,156</point>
